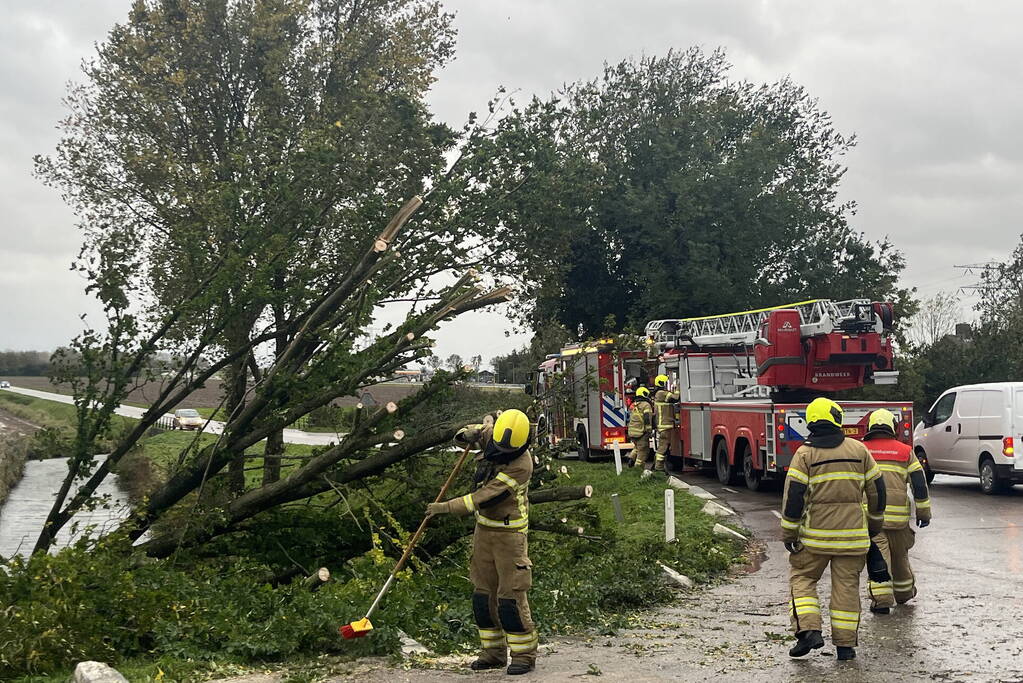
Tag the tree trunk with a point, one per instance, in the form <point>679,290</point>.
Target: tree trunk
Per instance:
<point>237,382</point>
<point>274,448</point>
<point>319,577</point>
<point>559,493</point>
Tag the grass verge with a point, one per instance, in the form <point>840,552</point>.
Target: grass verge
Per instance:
<point>197,616</point>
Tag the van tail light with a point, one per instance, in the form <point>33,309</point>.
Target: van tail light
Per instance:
<point>1007,449</point>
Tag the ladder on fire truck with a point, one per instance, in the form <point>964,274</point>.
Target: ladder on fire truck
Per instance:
<point>817,316</point>
<point>730,369</point>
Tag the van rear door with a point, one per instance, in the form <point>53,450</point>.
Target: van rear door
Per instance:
<point>1016,429</point>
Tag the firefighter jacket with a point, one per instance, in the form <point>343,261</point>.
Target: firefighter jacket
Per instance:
<point>500,487</point>
<point>899,467</point>
<point>664,409</point>
<point>640,418</point>
<point>823,502</point>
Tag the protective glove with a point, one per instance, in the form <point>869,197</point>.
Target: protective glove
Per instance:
<point>921,523</point>
<point>437,509</point>
<point>793,547</point>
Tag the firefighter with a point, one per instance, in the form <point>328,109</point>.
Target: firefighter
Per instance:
<point>500,570</point>
<point>640,425</point>
<point>899,467</point>
<point>825,523</point>
<point>664,415</point>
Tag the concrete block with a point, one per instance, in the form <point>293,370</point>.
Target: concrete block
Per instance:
<point>97,672</point>
<point>680,579</point>
<point>716,510</point>
<point>722,530</point>
<point>411,646</point>
<point>678,484</point>
<point>701,493</point>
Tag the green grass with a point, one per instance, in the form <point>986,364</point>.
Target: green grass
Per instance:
<point>38,411</point>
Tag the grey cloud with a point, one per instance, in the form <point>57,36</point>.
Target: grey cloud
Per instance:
<point>930,88</point>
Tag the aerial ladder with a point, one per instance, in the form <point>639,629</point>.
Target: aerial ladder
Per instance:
<point>811,347</point>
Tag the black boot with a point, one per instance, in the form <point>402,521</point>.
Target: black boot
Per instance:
<point>806,641</point>
<point>881,610</point>
<point>846,653</point>
<point>485,665</point>
<point>519,668</point>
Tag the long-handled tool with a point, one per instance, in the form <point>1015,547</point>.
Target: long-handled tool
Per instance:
<point>357,629</point>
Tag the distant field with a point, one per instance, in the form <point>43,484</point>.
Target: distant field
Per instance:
<point>209,396</point>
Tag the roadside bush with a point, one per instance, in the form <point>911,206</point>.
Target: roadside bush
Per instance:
<point>13,453</point>
<point>100,602</point>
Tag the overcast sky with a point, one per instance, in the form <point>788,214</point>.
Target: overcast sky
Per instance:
<point>933,90</point>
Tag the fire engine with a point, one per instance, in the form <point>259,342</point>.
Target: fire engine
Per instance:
<point>744,380</point>
<point>581,391</point>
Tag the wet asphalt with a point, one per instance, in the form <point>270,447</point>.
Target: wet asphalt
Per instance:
<point>966,624</point>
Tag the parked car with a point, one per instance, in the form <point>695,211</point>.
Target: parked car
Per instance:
<point>973,431</point>
<point>187,418</point>
<point>4,384</point>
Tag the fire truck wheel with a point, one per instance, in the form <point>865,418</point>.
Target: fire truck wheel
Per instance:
<point>727,474</point>
<point>583,446</point>
<point>754,477</point>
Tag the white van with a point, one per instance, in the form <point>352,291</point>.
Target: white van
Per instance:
<point>972,431</point>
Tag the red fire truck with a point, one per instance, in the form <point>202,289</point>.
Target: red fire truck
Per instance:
<point>582,393</point>
<point>744,380</point>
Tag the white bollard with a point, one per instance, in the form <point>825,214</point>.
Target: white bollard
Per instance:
<point>618,457</point>
<point>669,515</point>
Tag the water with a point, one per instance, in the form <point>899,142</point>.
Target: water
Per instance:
<point>22,516</point>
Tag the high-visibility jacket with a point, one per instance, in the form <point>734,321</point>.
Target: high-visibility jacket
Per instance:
<point>640,418</point>
<point>823,503</point>
<point>664,409</point>
<point>899,467</point>
<point>499,497</point>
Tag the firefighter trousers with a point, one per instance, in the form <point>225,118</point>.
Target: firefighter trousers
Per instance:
<point>663,448</point>
<point>806,569</point>
<point>641,449</point>
<point>894,544</point>
<point>501,575</point>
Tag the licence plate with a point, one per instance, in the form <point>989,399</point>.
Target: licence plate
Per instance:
<point>851,431</point>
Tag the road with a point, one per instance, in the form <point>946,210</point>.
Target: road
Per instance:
<point>965,625</point>
<point>213,426</point>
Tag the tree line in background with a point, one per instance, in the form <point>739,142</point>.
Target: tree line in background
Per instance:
<point>24,363</point>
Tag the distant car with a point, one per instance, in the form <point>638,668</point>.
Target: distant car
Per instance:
<point>4,384</point>
<point>186,418</point>
<point>973,431</point>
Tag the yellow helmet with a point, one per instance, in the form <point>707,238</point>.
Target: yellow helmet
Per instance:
<point>882,417</point>
<point>642,392</point>
<point>824,409</point>
<point>511,431</point>
<point>661,381</point>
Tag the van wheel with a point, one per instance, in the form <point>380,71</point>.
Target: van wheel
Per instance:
<point>928,472</point>
<point>582,447</point>
<point>989,481</point>
<point>754,477</point>
<point>727,474</point>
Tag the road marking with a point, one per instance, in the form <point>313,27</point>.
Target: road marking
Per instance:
<point>776,514</point>
<point>729,490</point>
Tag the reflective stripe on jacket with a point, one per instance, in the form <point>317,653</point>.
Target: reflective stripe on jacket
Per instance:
<point>898,464</point>
<point>500,500</point>
<point>664,409</point>
<point>640,418</point>
<point>823,503</point>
